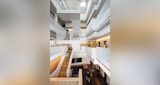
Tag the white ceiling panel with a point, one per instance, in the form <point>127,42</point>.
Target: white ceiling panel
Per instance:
<point>75,5</point>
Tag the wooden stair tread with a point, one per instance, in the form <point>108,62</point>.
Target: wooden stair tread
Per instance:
<point>64,67</point>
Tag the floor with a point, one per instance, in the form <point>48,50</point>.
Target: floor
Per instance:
<point>95,77</point>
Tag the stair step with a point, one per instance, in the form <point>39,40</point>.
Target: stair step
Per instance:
<point>62,75</point>
<point>64,67</point>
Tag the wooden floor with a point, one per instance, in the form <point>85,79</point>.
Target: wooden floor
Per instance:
<point>95,77</point>
<point>63,70</point>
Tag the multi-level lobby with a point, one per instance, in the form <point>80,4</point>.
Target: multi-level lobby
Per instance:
<point>80,42</point>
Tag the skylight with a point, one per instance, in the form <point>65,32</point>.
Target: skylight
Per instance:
<point>83,4</point>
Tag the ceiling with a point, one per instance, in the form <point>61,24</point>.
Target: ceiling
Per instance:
<point>74,11</point>
<point>69,16</point>
<point>75,5</point>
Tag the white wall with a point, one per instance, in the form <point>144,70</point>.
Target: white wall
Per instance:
<point>80,54</point>
<point>70,25</point>
<point>57,51</point>
<point>76,47</point>
<point>60,31</point>
<point>85,60</point>
<point>75,44</point>
<point>83,49</point>
<point>76,27</point>
<point>83,32</point>
<point>103,56</point>
<point>91,53</point>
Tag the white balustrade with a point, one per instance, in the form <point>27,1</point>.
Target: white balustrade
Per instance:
<point>56,72</point>
<point>60,31</point>
<point>57,51</point>
<point>101,33</point>
<point>54,53</point>
<point>102,55</point>
<point>101,21</point>
<point>69,72</point>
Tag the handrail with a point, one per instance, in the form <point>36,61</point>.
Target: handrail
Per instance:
<point>68,73</point>
<point>56,72</point>
<point>58,53</point>
<point>71,80</point>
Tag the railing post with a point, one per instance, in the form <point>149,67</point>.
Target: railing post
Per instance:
<point>69,73</point>
<point>80,77</point>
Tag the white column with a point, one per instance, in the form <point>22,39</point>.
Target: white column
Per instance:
<point>76,27</point>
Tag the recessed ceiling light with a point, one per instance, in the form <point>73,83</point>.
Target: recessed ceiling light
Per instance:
<point>83,4</point>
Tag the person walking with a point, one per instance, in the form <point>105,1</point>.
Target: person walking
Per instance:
<point>67,55</point>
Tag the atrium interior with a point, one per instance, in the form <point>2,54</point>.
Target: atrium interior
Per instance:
<point>80,42</point>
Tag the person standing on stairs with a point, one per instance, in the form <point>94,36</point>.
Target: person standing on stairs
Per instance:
<point>67,56</point>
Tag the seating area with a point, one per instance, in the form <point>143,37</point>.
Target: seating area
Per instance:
<point>91,76</point>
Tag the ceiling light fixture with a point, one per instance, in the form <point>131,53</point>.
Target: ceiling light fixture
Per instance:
<point>83,4</point>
